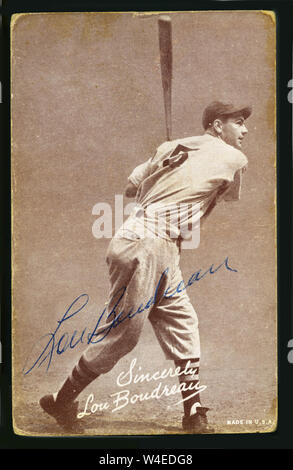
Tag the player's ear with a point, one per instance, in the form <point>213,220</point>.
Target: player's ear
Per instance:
<point>218,126</point>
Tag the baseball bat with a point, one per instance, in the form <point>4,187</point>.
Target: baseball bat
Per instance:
<point>165,45</point>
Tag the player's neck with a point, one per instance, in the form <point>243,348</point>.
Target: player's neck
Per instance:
<point>212,133</point>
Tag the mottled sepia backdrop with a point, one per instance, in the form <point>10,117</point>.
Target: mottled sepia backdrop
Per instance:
<point>87,107</point>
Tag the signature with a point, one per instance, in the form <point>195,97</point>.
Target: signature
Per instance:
<point>125,397</point>
<point>57,342</point>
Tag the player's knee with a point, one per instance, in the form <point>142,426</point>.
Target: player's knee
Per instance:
<point>129,344</point>
<point>132,343</point>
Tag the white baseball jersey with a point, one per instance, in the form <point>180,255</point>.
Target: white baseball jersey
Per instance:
<point>184,178</point>
<point>187,171</point>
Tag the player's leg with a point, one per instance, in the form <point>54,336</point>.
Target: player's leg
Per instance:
<point>175,324</point>
<point>136,274</point>
<point>135,280</point>
<point>104,349</point>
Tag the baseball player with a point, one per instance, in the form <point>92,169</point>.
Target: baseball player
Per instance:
<point>143,261</point>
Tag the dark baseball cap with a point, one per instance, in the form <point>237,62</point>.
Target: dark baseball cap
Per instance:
<point>217,109</point>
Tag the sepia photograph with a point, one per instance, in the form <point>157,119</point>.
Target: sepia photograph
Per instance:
<point>143,201</point>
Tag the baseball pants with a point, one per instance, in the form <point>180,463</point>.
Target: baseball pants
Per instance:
<point>145,282</point>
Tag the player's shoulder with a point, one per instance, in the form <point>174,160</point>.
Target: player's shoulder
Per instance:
<point>190,142</point>
<point>239,157</point>
<point>233,155</point>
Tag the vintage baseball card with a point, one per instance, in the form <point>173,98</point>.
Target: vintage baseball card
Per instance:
<point>143,195</point>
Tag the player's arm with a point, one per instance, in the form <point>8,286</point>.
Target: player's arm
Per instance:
<point>238,167</point>
<point>139,173</point>
<point>143,170</point>
<point>130,190</point>
<point>234,190</point>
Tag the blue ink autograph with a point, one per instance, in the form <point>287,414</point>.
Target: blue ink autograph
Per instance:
<point>60,344</point>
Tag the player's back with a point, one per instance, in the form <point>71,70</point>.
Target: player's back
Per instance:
<point>189,170</point>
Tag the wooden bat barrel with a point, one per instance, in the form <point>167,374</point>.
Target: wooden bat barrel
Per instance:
<point>165,45</point>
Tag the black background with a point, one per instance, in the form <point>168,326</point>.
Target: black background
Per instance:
<point>282,438</point>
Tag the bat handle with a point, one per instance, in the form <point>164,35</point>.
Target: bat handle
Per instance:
<point>167,106</point>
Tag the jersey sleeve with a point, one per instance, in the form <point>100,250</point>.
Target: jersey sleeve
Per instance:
<point>139,173</point>
<point>237,166</point>
<point>144,170</point>
<point>238,161</point>
<point>234,190</point>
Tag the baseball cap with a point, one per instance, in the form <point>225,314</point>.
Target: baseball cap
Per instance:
<point>217,109</point>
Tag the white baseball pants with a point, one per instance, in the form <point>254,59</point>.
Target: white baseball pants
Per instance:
<point>146,282</point>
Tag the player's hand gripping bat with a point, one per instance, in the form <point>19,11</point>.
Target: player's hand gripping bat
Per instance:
<point>165,44</point>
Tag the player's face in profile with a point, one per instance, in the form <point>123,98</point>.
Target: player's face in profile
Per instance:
<point>234,131</point>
